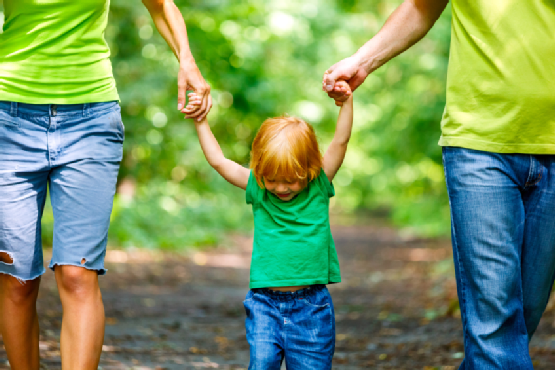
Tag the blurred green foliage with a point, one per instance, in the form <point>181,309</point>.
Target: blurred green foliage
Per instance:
<point>266,58</point>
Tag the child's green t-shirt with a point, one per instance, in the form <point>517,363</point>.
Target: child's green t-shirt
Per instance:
<point>293,244</point>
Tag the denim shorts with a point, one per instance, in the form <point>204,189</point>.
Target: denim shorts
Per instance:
<point>296,326</point>
<point>73,149</point>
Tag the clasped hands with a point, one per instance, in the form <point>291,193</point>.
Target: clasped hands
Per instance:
<point>340,93</point>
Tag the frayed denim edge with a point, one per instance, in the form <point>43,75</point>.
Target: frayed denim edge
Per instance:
<point>21,280</point>
<point>101,271</point>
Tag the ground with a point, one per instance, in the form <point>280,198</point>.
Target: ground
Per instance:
<point>395,309</point>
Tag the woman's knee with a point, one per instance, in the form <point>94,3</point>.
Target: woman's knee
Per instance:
<point>17,291</point>
<point>75,280</point>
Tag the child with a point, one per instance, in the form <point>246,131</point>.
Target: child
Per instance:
<point>289,309</point>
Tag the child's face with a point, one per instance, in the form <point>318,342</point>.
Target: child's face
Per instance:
<point>283,189</point>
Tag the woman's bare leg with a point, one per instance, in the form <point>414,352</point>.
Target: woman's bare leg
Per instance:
<point>83,319</point>
<point>20,324</point>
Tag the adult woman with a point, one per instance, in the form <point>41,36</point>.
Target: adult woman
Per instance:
<point>60,125</point>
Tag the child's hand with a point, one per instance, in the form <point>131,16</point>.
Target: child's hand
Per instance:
<point>341,91</point>
<point>193,105</point>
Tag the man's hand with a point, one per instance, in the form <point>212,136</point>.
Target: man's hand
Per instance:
<point>190,78</point>
<point>341,91</point>
<point>349,70</point>
<point>404,27</point>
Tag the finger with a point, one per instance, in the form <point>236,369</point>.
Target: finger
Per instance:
<point>209,107</point>
<point>335,94</point>
<point>181,91</point>
<point>342,86</point>
<point>192,105</point>
<point>329,79</point>
<point>204,106</point>
<point>191,113</point>
<point>324,80</point>
<point>197,101</point>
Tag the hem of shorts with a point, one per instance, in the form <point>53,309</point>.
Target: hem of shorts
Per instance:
<point>23,280</point>
<point>493,147</point>
<point>100,271</point>
<point>278,283</point>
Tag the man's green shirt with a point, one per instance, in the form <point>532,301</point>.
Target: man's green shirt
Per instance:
<point>501,78</point>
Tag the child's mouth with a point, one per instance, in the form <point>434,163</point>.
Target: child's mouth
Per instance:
<point>283,195</point>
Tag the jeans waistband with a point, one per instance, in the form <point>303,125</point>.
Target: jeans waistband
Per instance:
<point>287,296</point>
<point>85,109</point>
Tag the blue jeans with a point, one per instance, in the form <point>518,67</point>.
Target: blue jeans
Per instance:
<point>503,235</point>
<point>298,326</point>
<point>73,149</point>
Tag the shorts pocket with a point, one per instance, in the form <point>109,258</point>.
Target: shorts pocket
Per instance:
<point>316,301</point>
<point>8,120</point>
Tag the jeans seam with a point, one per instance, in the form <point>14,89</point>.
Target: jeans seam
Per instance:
<point>463,286</point>
<point>462,302</point>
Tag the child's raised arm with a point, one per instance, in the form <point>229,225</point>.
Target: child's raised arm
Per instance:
<point>233,172</point>
<point>333,158</point>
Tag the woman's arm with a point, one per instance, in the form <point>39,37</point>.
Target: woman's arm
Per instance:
<point>404,28</point>
<point>233,172</point>
<point>333,158</point>
<point>169,22</point>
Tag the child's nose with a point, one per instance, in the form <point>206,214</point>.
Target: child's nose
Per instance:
<point>281,187</point>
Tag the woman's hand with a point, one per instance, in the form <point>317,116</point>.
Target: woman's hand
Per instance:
<point>169,22</point>
<point>190,78</point>
<point>193,105</point>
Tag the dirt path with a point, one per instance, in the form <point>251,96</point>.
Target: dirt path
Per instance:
<point>395,308</point>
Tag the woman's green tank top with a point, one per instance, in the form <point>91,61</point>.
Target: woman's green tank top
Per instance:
<point>54,52</point>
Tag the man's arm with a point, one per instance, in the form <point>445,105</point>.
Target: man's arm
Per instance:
<point>405,27</point>
<point>169,22</point>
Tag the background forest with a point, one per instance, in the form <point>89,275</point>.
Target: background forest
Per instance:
<point>265,58</point>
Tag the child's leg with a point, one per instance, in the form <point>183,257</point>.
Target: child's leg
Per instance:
<point>264,331</point>
<point>310,331</point>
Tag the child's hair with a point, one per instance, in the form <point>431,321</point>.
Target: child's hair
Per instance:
<point>286,147</point>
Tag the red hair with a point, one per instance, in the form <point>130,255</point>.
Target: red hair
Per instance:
<point>286,147</point>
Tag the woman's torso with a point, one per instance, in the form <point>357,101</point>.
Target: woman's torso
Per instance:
<point>54,52</point>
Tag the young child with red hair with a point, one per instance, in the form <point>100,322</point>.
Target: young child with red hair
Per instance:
<point>289,309</point>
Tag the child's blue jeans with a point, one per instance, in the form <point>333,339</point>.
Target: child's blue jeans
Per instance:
<point>296,326</point>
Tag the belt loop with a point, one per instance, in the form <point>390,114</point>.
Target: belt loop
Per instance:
<point>13,109</point>
<point>86,108</point>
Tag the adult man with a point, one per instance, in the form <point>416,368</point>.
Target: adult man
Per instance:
<point>60,124</point>
<point>498,138</point>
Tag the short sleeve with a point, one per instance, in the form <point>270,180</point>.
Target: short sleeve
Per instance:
<point>252,189</point>
<point>325,183</point>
